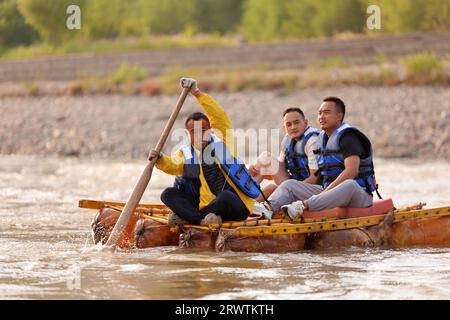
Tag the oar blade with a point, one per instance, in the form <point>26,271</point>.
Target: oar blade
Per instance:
<point>130,206</point>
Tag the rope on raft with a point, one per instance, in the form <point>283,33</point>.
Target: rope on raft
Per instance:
<point>143,211</point>
<point>336,225</point>
<point>284,226</point>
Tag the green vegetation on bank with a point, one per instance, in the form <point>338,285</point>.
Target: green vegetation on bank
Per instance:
<point>38,27</point>
<point>13,29</point>
<point>129,79</point>
<point>423,68</point>
<point>417,69</point>
<point>422,64</point>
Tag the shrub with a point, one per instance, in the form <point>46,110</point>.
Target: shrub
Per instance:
<point>219,16</point>
<point>299,18</point>
<point>166,16</point>
<point>389,77</point>
<point>128,72</point>
<point>381,58</point>
<point>422,64</point>
<point>112,18</point>
<point>335,16</point>
<point>31,88</point>
<point>262,19</point>
<point>94,85</point>
<point>13,29</point>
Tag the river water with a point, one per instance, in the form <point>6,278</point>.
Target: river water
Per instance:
<point>43,235</point>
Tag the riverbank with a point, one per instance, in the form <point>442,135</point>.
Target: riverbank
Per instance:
<point>402,121</point>
<point>422,69</point>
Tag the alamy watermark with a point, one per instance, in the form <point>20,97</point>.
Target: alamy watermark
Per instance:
<point>73,21</point>
<point>373,22</point>
<point>247,143</point>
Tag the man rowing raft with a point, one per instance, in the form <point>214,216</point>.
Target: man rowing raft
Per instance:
<point>211,184</point>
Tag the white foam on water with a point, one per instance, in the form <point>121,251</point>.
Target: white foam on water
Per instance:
<point>250,273</point>
<point>133,268</point>
<point>183,270</point>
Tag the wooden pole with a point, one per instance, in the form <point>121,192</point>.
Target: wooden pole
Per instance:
<point>144,179</point>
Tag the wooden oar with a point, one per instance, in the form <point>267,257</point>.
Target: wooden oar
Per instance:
<point>99,204</point>
<point>144,179</point>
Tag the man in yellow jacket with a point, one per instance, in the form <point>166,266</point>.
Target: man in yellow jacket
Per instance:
<point>204,193</point>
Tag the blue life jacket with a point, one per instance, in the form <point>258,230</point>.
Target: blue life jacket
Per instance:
<point>296,159</point>
<point>234,168</point>
<point>189,186</point>
<point>331,161</point>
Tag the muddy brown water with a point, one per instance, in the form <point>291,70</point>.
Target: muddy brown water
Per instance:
<point>43,235</point>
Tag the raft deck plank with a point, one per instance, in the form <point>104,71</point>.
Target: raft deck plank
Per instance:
<point>336,225</point>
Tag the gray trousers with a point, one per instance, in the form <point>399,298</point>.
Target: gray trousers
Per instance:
<point>347,194</point>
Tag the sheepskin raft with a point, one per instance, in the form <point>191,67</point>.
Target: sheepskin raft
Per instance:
<point>379,225</point>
